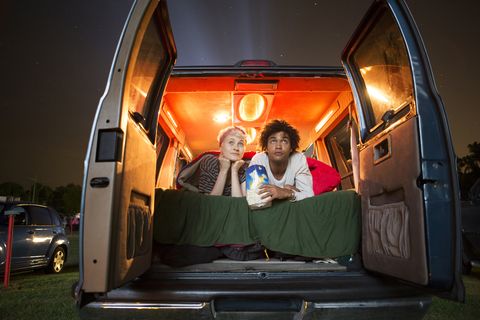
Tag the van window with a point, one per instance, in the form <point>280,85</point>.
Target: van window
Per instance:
<point>338,145</point>
<point>150,58</point>
<point>386,74</point>
<point>162,144</point>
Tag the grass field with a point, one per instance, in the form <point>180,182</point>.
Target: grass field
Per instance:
<point>36,295</point>
<point>40,296</point>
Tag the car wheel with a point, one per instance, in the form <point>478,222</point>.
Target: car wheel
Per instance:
<point>57,261</point>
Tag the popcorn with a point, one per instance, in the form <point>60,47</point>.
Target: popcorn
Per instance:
<point>256,177</point>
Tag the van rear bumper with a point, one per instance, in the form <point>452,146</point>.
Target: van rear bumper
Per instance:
<point>398,308</point>
<point>330,295</point>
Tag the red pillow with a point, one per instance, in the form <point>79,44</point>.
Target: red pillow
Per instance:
<point>325,178</point>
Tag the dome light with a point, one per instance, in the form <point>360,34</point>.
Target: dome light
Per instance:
<point>221,117</point>
<point>251,107</point>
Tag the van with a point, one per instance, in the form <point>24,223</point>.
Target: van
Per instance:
<point>403,242</point>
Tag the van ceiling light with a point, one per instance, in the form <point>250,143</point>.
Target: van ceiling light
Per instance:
<point>251,107</point>
<point>221,117</point>
<point>251,134</point>
<point>324,120</point>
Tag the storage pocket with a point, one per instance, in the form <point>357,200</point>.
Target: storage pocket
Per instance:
<point>387,230</point>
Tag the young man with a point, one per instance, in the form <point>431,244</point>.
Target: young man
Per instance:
<point>287,169</point>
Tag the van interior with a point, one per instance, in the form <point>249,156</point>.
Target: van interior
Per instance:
<point>196,107</point>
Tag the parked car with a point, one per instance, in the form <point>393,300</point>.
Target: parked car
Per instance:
<point>154,118</point>
<point>39,239</point>
<point>471,229</point>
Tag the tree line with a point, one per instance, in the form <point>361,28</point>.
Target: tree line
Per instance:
<point>468,168</point>
<point>65,199</point>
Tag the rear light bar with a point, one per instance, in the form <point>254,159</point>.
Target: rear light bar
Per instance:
<point>255,63</point>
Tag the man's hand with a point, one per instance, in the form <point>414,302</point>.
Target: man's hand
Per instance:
<point>290,187</point>
<point>268,190</point>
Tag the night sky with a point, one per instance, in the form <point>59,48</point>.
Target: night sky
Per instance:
<point>55,57</point>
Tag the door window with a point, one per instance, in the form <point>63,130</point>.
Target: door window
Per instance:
<point>385,74</point>
<point>338,145</point>
<point>150,58</point>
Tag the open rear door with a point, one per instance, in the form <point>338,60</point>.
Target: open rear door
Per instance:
<point>119,180</point>
<point>408,180</point>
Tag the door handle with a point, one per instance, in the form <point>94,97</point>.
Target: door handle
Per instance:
<point>99,182</point>
<point>30,232</point>
<point>382,150</point>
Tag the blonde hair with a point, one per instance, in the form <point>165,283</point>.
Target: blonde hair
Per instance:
<point>222,134</point>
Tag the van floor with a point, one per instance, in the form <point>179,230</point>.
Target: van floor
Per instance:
<point>228,265</point>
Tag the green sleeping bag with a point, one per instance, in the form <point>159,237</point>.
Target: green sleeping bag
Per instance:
<point>327,225</point>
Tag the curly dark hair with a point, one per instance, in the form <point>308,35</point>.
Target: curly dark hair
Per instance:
<point>275,126</point>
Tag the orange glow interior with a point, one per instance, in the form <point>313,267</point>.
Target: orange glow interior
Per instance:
<point>302,101</point>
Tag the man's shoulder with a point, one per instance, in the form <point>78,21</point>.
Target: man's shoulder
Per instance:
<point>261,156</point>
<point>298,157</point>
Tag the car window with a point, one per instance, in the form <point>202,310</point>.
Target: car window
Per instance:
<point>20,219</point>
<point>386,74</point>
<point>55,217</point>
<point>39,216</point>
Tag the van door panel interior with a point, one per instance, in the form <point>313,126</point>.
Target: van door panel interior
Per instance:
<point>393,238</point>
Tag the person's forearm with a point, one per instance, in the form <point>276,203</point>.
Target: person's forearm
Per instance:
<point>219,184</point>
<point>236,188</point>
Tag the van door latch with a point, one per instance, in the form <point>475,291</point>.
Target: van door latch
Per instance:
<point>99,182</point>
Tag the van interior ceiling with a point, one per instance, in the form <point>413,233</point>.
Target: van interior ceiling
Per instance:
<point>194,102</point>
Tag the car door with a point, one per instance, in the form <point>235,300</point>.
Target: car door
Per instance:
<point>39,233</point>
<point>119,180</point>
<point>21,240</point>
<point>408,182</point>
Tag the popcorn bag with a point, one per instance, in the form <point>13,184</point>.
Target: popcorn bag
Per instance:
<point>256,177</point>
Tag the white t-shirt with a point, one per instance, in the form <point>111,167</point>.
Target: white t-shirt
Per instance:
<point>297,173</point>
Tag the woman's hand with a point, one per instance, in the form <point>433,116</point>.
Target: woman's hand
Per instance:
<point>224,164</point>
<point>237,165</point>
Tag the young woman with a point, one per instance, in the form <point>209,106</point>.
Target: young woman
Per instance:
<point>218,174</point>
<point>225,174</point>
